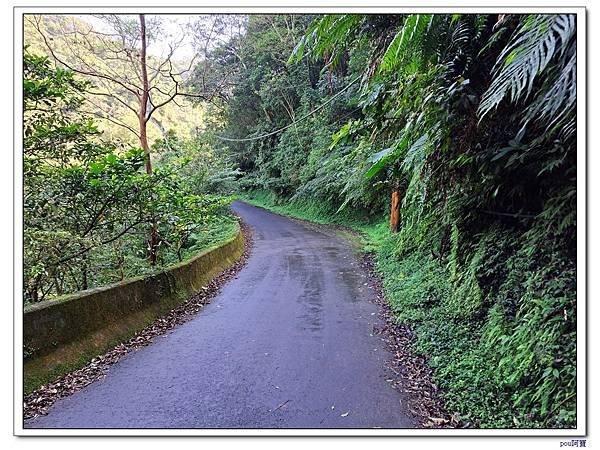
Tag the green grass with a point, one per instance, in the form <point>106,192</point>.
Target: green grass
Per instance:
<point>211,235</point>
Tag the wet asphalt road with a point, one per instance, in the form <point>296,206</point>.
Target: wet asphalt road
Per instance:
<point>288,343</point>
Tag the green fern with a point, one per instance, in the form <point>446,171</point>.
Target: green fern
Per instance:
<point>412,32</point>
<point>560,99</point>
<point>532,48</point>
<point>327,34</point>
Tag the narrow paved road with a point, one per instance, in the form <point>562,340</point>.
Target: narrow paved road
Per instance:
<point>288,343</point>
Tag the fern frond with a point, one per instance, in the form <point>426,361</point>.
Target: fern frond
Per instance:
<point>326,34</point>
<point>406,41</point>
<point>561,97</point>
<point>535,43</point>
<point>416,154</point>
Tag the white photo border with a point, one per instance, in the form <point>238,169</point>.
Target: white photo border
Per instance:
<point>582,262</point>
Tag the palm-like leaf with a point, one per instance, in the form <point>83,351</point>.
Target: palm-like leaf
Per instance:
<point>326,34</point>
<point>535,43</point>
<point>559,100</point>
<point>412,32</point>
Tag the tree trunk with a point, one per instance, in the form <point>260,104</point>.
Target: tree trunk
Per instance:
<point>34,289</point>
<point>395,210</point>
<point>84,271</point>
<point>143,119</point>
<point>144,96</point>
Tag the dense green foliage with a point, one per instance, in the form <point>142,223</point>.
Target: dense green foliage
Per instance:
<point>88,203</point>
<point>472,119</point>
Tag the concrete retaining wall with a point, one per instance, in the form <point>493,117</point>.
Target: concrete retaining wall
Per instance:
<point>62,334</point>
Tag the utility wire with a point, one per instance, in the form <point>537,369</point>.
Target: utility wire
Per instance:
<point>223,138</point>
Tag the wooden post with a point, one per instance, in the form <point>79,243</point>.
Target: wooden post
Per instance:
<point>395,211</point>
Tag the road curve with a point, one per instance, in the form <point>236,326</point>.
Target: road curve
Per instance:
<point>288,343</point>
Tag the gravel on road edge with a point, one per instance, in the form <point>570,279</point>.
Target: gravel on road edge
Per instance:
<point>413,375</point>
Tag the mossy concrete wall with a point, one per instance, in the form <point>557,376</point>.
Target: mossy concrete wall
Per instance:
<point>63,334</point>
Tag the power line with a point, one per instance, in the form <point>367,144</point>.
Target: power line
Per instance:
<point>223,138</point>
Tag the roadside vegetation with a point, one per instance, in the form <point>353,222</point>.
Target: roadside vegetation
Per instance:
<point>448,140</point>
<point>467,122</point>
<point>99,205</point>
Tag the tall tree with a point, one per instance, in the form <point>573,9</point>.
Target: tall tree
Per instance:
<point>115,56</point>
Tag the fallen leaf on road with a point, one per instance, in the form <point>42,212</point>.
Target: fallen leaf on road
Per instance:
<point>438,420</point>
<point>281,405</point>
<point>413,375</point>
